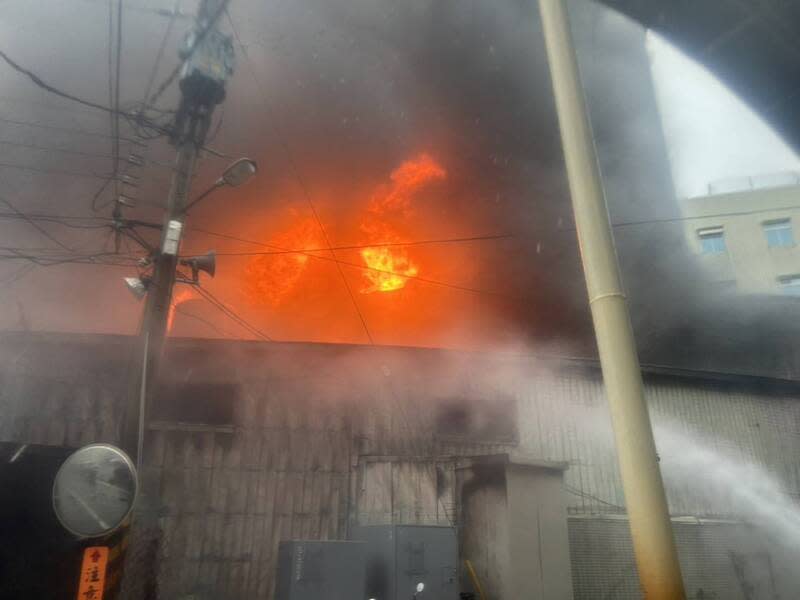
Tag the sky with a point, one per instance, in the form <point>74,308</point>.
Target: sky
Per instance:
<point>711,133</point>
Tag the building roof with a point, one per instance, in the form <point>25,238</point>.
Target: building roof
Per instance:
<point>79,355</point>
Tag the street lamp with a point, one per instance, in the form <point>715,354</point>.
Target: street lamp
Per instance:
<point>238,172</point>
<point>137,286</point>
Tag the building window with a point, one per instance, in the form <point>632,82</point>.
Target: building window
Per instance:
<point>712,240</point>
<point>790,285</point>
<point>209,404</point>
<point>477,419</point>
<point>779,233</point>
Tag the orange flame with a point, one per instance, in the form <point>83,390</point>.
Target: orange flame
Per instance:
<point>273,277</point>
<point>178,299</point>
<point>391,267</point>
<point>407,179</point>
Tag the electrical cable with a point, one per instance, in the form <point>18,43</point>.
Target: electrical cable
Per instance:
<point>178,309</point>
<point>62,217</point>
<point>160,54</point>
<point>113,122</point>
<point>363,246</point>
<point>89,259</point>
<point>301,183</point>
<point>54,171</point>
<point>218,126</point>
<point>35,225</point>
<point>53,90</point>
<point>51,149</point>
<point>231,314</point>
<point>68,130</point>
<point>77,152</point>
<point>115,114</point>
<point>55,221</point>
<point>368,268</point>
<point>18,274</point>
<point>589,496</point>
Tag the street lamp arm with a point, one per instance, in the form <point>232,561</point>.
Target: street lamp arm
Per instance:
<point>217,184</point>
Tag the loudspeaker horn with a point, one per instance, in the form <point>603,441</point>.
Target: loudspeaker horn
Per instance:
<point>206,263</point>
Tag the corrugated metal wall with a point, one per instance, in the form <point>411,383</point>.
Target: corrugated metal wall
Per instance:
<point>323,435</point>
<point>719,561</point>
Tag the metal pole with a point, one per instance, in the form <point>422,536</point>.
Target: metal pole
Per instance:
<point>159,295</point>
<point>205,88</point>
<point>653,542</point>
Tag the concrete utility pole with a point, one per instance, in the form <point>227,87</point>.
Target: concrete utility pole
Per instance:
<point>208,61</point>
<point>653,542</point>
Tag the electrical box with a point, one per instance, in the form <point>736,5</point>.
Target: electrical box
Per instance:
<point>401,556</point>
<point>312,570</point>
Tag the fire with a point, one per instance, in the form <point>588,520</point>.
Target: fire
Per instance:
<point>177,299</point>
<point>406,180</point>
<point>396,265</point>
<point>390,267</point>
<point>274,276</point>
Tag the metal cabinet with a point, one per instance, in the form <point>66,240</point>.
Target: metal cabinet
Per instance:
<point>400,556</point>
<point>311,570</point>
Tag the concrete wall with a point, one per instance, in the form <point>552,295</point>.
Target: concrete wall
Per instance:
<point>539,541</point>
<point>748,262</point>
<point>514,528</point>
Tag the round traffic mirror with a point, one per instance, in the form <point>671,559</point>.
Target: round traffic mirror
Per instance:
<point>94,490</point>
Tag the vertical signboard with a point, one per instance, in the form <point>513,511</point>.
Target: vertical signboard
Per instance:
<point>93,573</point>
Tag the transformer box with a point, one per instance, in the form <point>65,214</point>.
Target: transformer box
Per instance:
<point>311,570</point>
<point>401,556</point>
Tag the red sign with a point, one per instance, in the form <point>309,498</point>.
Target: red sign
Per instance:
<point>93,573</point>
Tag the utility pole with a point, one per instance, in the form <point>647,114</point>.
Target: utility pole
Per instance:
<point>648,513</point>
<point>208,61</point>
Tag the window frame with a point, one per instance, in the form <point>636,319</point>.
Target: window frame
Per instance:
<point>780,231</point>
<point>716,233</point>
<point>789,284</point>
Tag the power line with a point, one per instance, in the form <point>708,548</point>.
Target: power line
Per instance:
<point>35,225</point>
<point>299,179</point>
<point>115,96</point>
<point>368,268</point>
<point>53,90</point>
<point>231,314</point>
<point>68,130</point>
<point>18,274</point>
<point>73,225</point>
<point>62,217</point>
<point>201,320</point>
<point>588,496</point>
<point>54,171</point>
<point>108,259</point>
<point>52,149</point>
<point>363,246</point>
<point>76,152</point>
<point>160,53</point>
<point>42,84</point>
